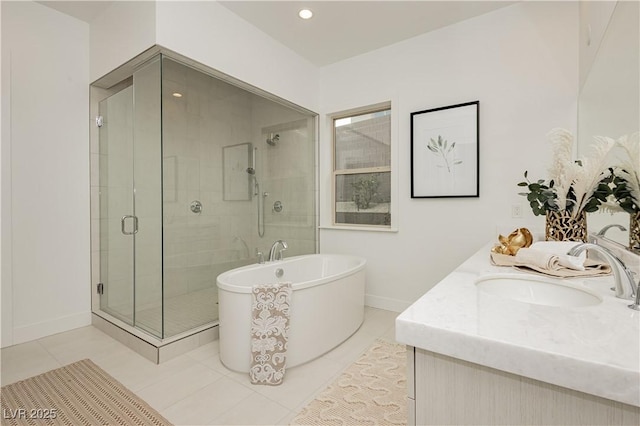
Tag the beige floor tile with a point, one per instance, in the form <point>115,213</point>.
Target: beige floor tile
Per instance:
<point>166,369</point>
<point>22,361</point>
<point>352,348</point>
<point>299,384</point>
<point>370,312</point>
<point>214,363</point>
<point>81,343</point>
<point>178,386</point>
<point>136,372</point>
<point>390,335</point>
<point>208,403</point>
<point>205,351</point>
<point>256,409</point>
<point>286,420</point>
<point>377,321</point>
<point>209,355</point>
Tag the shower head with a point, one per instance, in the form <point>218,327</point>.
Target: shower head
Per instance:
<point>251,171</point>
<point>273,139</point>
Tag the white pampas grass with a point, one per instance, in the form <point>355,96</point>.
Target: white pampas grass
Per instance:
<point>589,171</point>
<point>561,170</point>
<point>630,168</point>
<point>583,176</point>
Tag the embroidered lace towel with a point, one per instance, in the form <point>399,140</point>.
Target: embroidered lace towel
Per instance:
<point>269,333</point>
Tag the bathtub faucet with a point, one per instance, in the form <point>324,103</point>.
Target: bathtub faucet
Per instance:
<point>274,253</point>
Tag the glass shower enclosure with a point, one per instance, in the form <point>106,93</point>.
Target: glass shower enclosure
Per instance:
<point>193,174</point>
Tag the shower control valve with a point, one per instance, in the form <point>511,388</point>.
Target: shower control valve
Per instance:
<point>196,207</point>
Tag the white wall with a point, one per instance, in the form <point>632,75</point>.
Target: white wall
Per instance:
<point>121,32</point>
<point>594,20</point>
<point>520,62</point>
<point>209,33</point>
<point>45,152</point>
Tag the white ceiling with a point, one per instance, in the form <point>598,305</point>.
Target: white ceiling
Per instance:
<point>338,29</point>
<point>342,29</point>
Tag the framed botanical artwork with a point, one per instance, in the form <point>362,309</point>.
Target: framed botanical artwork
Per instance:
<point>445,151</point>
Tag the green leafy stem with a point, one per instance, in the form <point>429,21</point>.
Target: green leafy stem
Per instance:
<point>542,197</point>
<point>441,147</point>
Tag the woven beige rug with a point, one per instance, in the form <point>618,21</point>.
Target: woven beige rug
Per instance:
<point>78,394</point>
<point>371,391</point>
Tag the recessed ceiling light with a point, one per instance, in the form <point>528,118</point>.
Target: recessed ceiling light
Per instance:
<point>305,14</point>
<point>177,95</point>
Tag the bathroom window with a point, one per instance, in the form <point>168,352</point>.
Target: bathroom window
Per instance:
<point>362,168</point>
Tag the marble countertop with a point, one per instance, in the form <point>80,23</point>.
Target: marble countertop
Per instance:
<point>592,349</point>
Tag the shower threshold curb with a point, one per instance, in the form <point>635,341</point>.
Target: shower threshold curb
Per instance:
<point>159,351</point>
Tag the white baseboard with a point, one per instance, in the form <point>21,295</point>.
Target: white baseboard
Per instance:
<point>31,332</point>
<point>386,303</point>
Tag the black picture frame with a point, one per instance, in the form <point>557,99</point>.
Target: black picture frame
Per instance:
<point>445,152</point>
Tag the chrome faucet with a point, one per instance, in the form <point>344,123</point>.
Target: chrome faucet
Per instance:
<point>606,228</point>
<point>274,253</point>
<point>636,305</point>
<point>624,285</point>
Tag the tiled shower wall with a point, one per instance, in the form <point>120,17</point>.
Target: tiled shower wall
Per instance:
<point>209,115</point>
<point>289,177</point>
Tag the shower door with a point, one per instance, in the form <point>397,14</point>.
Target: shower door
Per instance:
<point>117,218</point>
<point>130,202</point>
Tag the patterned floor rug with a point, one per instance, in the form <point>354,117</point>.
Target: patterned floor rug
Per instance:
<point>78,394</point>
<point>372,391</point>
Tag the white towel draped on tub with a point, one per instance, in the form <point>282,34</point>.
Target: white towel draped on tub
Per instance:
<point>269,332</point>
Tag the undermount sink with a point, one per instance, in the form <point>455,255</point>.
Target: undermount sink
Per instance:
<point>536,290</point>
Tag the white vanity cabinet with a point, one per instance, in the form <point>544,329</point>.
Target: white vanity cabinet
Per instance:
<point>445,390</point>
<point>476,358</point>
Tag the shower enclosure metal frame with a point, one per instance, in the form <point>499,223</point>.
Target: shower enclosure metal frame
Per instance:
<point>118,80</point>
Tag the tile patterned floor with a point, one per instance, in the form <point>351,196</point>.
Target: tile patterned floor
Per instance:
<point>182,312</point>
<point>195,388</point>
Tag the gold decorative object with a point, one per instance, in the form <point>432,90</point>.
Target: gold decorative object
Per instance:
<point>562,226</point>
<point>510,245</point>
<point>634,232</point>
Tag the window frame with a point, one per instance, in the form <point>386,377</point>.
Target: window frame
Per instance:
<point>379,169</point>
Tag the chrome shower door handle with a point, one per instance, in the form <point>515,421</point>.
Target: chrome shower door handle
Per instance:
<point>135,224</point>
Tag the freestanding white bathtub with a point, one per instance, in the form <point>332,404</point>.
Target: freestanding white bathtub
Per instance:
<point>327,305</point>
